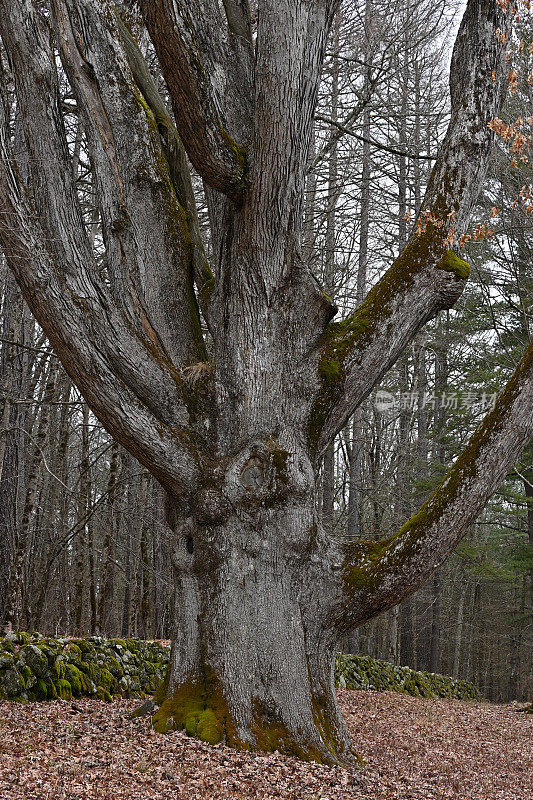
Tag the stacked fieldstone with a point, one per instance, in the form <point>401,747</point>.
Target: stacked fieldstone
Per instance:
<point>33,667</point>
<point>38,668</point>
<point>361,672</point>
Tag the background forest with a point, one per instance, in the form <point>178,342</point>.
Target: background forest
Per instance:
<point>82,544</point>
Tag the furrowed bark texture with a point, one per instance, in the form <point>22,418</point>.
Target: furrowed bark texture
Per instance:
<point>235,432</point>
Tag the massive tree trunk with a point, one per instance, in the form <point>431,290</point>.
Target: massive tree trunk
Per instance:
<point>253,639</point>
<point>234,427</point>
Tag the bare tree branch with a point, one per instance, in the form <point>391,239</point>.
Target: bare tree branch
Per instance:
<point>135,395</point>
<point>378,574</point>
<point>426,277</point>
<point>195,61</point>
<point>172,148</point>
<point>73,322</point>
<point>150,264</point>
<point>373,142</point>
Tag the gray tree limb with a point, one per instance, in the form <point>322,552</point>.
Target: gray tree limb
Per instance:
<point>379,574</point>
<point>195,58</point>
<point>425,277</point>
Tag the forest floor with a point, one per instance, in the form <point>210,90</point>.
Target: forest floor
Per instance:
<point>415,749</point>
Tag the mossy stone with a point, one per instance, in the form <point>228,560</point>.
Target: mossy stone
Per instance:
<point>64,689</point>
<point>35,659</point>
<point>58,668</point>
<point>362,672</point>
<point>106,679</point>
<point>114,667</point>
<point>6,661</point>
<point>73,653</point>
<point>74,677</point>
<point>50,653</point>
<point>130,666</point>
<point>12,683</point>
<point>103,694</point>
<point>51,691</point>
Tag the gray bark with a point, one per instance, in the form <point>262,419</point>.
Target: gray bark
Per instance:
<point>80,550</point>
<point>262,595</point>
<point>328,467</point>
<point>15,590</point>
<point>354,497</point>
<point>107,577</point>
<point>528,488</point>
<point>10,421</point>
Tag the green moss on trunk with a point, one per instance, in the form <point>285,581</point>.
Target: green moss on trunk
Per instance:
<point>199,708</point>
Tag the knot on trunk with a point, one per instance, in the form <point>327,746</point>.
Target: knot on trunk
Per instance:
<point>265,474</point>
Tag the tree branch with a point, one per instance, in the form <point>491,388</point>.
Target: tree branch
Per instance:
<point>172,148</point>
<point>378,575</point>
<point>426,277</point>
<point>289,33</point>
<point>127,378</point>
<point>145,229</point>
<point>83,335</point>
<point>378,145</point>
<point>194,58</point>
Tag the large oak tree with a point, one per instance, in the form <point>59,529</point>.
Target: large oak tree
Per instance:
<point>233,417</point>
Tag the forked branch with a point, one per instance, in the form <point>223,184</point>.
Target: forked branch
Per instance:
<point>145,228</point>
<point>107,345</point>
<point>172,148</point>
<point>84,333</point>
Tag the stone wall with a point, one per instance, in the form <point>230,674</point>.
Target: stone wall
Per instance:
<point>38,668</point>
<point>361,672</point>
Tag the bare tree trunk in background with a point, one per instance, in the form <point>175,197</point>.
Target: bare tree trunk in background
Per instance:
<point>56,530</point>
<point>328,468</point>
<point>402,510</point>
<point>402,504</point>
<point>107,578</point>
<point>132,524</point>
<point>137,557</point>
<point>354,496</point>
<point>353,525</point>
<point>16,588</point>
<point>10,378</point>
<point>144,600</point>
<point>44,531</point>
<point>80,542</point>
<point>520,622</point>
<point>92,569</point>
<point>470,644</point>
<point>161,560</point>
<point>441,388</point>
<point>458,634</point>
<point>528,489</point>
